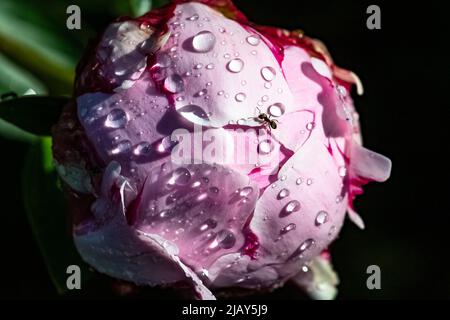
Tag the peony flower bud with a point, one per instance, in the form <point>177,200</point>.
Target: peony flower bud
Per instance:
<point>208,150</point>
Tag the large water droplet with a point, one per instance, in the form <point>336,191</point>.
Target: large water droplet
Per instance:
<point>283,193</point>
<point>194,114</point>
<point>291,206</point>
<point>268,73</point>
<point>235,65</point>
<point>240,97</point>
<point>225,239</point>
<point>298,253</point>
<point>117,118</point>
<point>203,41</point>
<point>166,144</point>
<point>246,191</point>
<point>121,147</point>
<point>174,83</point>
<point>321,218</point>
<point>277,109</point>
<point>265,146</point>
<point>289,227</point>
<point>180,176</point>
<point>253,40</point>
<point>143,148</point>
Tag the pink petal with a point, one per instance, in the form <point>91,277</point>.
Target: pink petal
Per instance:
<point>225,69</point>
<point>201,208</point>
<point>112,247</point>
<point>369,164</point>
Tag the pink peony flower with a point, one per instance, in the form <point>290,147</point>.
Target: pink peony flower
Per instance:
<point>203,149</point>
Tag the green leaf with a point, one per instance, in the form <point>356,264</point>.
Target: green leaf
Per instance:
<point>34,114</point>
<point>47,214</point>
<point>10,131</point>
<point>28,36</point>
<point>13,78</point>
<point>139,7</point>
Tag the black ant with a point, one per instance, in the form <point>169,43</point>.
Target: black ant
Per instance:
<point>265,119</point>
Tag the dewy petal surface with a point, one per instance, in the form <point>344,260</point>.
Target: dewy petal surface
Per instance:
<point>123,252</point>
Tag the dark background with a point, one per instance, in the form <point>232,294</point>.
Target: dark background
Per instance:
<point>405,71</point>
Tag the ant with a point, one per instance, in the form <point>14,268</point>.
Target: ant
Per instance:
<point>265,119</point>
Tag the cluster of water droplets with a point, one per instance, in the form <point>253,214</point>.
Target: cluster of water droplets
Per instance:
<point>194,210</point>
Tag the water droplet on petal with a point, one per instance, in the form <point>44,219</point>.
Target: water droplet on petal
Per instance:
<point>240,97</point>
<point>268,73</point>
<point>210,66</point>
<point>166,144</point>
<point>201,93</point>
<point>308,243</point>
<point>265,147</point>
<point>289,227</point>
<point>225,239</point>
<point>235,65</point>
<point>341,90</point>
<point>193,18</point>
<point>166,214</point>
<point>179,231</point>
<point>208,225</point>
<point>174,83</point>
<point>117,118</point>
<point>143,148</point>
<point>299,181</point>
<point>203,41</point>
<point>283,177</point>
<point>310,126</point>
<point>246,191</point>
<point>283,193</point>
<point>331,231</point>
<point>309,182</point>
<point>214,190</point>
<point>180,176</point>
<point>291,206</point>
<point>342,171</point>
<point>121,147</point>
<point>253,40</point>
<point>321,218</point>
<point>277,109</point>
